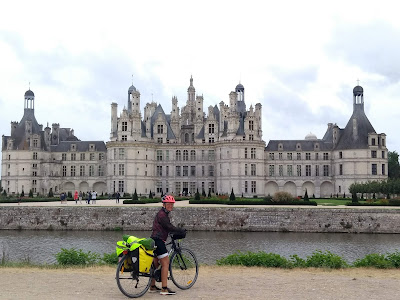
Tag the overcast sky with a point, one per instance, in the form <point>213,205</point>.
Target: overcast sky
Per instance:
<point>299,59</point>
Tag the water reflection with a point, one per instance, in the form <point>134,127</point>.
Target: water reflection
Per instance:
<point>41,246</point>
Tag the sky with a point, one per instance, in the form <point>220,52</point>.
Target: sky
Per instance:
<point>299,59</point>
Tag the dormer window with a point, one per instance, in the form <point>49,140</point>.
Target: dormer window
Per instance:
<point>73,147</point>
<point>91,147</point>
<point>280,147</point>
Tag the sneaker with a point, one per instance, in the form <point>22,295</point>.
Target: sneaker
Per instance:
<point>154,289</point>
<point>167,291</point>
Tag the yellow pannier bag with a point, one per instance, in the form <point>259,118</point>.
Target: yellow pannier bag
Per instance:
<point>145,259</point>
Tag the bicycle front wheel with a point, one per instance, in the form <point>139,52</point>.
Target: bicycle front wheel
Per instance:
<point>183,268</point>
<point>132,284</point>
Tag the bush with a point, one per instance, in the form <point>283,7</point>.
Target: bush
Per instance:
<point>110,258</point>
<point>325,259</point>
<point>282,197</point>
<point>30,193</point>
<point>249,259</point>
<point>22,193</point>
<point>71,257</point>
<point>150,195</point>
<point>373,260</point>
<point>306,196</point>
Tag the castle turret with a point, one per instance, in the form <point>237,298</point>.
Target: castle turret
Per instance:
<point>114,120</point>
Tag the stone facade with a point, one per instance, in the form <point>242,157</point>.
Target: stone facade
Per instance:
<point>189,149</point>
<point>204,218</point>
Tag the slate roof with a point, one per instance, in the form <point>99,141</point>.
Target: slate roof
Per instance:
<point>81,146</point>
<point>347,138</point>
<point>291,145</point>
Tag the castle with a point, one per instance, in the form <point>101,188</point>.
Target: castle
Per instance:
<point>189,150</point>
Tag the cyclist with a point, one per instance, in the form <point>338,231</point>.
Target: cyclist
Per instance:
<point>161,227</point>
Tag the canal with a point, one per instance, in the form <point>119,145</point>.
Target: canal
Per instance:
<point>41,246</point>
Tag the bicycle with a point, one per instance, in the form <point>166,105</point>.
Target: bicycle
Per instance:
<point>183,270</point>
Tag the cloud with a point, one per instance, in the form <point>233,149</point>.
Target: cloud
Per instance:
<point>373,47</point>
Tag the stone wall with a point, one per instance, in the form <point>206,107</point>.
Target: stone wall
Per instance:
<point>204,218</point>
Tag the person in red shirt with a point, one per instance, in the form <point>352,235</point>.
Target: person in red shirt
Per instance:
<point>161,228</point>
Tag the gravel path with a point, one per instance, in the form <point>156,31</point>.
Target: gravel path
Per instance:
<point>213,283</point>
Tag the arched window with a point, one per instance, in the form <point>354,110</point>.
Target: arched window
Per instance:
<point>192,154</point>
<point>178,155</point>
<point>185,155</point>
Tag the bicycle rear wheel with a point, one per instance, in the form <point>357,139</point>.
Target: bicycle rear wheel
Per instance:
<point>183,268</point>
<point>132,284</point>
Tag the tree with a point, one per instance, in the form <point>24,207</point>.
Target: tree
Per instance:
<point>135,197</point>
<point>393,165</point>
<point>306,196</point>
<point>150,195</point>
<point>22,193</point>
<point>30,193</point>
<point>197,195</point>
<point>354,198</point>
<point>209,193</point>
<point>232,196</point>
<point>204,193</point>
<point>51,193</point>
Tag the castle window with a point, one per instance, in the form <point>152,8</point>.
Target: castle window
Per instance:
<point>245,152</point>
<point>253,187</point>
<point>289,156</point>
<point>271,156</point>
<point>253,169</point>
<point>64,156</point>
<point>82,171</point>
<point>211,170</point>
<point>245,169</point>
<point>373,141</point>
<point>383,169</point>
<point>192,155</point>
<point>178,171</point>
<point>308,170</point>
<point>316,170</point>
<point>245,186</point>
<point>35,143</point>
<point>160,140</point>
<point>178,155</point>
<point>91,170</point>
<point>82,156</point>
<point>124,138</point>
<point>271,170</point>
<point>374,169</point>
<point>308,156</point>
<point>64,171</point>
<point>211,155</point>
<point>166,154</point>
<point>91,157</point>
<point>340,154</point>
<point>326,156</point>
<point>210,128</point>
<point>280,170</point>
<point>160,129</point>
<point>121,169</point>
<point>251,125</point>
<point>101,171</point>
<point>159,155</point>
<point>298,170</point>
<point>253,153</point>
<point>373,154</point>
<point>383,154</point>
<point>73,156</point>
<point>251,137</point>
<point>211,140</point>
<point>185,155</point>
<point>340,169</point>
<point>192,170</point>
<point>326,170</point>
<point>383,142</point>
<point>185,171</point>
<point>280,155</point>
<point>73,170</point>
<point>316,156</point>
<point>298,156</point>
<point>159,171</point>
<point>121,185</point>
<point>124,126</point>
<point>166,170</point>
<point>121,153</point>
<point>101,156</point>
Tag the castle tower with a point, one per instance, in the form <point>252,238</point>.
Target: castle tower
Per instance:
<point>191,91</point>
<point>29,100</point>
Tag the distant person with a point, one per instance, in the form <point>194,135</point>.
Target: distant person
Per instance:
<point>94,197</point>
<point>76,197</point>
<point>117,198</point>
<point>80,197</point>
<point>89,195</point>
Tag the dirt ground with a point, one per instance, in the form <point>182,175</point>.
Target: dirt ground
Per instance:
<point>213,283</point>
